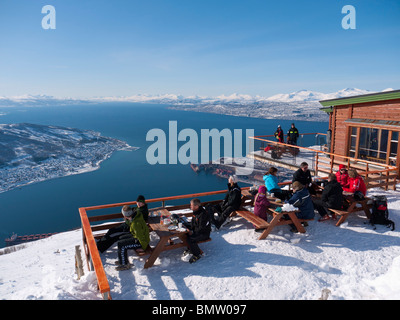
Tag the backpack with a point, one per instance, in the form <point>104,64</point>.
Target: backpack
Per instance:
<point>380,212</point>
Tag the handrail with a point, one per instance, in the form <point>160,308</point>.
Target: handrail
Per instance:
<point>323,152</point>
<point>302,134</point>
<point>91,251</point>
<point>185,196</point>
<point>93,255</point>
<point>349,160</point>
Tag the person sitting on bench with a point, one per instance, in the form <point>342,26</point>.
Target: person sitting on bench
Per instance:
<point>342,176</point>
<point>332,197</point>
<point>232,202</point>
<point>303,175</point>
<point>261,205</point>
<point>356,183</point>
<point>114,234</point>
<point>138,237</point>
<point>271,183</point>
<point>301,199</point>
<point>199,229</point>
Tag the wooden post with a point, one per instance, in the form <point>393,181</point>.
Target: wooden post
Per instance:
<point>78,262</point>
<point>387,179</point>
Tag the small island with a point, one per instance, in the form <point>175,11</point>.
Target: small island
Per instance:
<point>31,153</point>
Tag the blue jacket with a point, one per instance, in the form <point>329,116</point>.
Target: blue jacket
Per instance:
<point>302,200</point>
<point>271,182</point>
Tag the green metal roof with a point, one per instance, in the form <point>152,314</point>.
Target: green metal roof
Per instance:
<point>388,95</point>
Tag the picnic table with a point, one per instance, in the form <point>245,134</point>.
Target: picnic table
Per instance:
<point>248,199</point>
<point>354,206</point>
<point>278,218</point>
<point>169,239</point>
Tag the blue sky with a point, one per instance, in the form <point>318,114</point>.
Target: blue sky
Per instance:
<point>122,48</point>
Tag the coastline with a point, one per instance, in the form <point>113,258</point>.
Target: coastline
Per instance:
<point>86,168</point>
<point>50,152</point>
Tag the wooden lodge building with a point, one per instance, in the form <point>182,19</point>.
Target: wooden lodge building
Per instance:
<point>365,127</point>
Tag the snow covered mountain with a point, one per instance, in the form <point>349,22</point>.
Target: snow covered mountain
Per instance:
<point>298,96</point>
<point>299,105</point>
<point>307,95</point>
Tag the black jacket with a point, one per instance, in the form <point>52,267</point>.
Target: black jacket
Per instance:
<point>233,197</point>
<point>332,195</point>
<point>144,210</point>
<point>200,223</point>
<point>293,134</point>
<point>303,177</point>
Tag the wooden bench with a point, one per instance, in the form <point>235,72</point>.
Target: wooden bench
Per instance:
<point>277,220</point>
<point>354,206</point>
<point>149,250</point>
<point>258,222</point>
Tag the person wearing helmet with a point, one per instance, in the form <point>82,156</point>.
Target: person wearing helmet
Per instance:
<point>279,134</point>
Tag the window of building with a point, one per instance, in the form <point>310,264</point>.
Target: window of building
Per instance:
<point>353,141</point>
<point>393,148</point>
<point>373,144</point>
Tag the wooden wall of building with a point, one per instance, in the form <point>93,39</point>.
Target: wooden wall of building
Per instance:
<point>380,110</point>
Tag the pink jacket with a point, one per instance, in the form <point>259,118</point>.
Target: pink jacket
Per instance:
<point>261,203</point>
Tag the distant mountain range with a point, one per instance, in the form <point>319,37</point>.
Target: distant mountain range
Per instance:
<point>298,96</point>
<point>307,95</point>
<point>299,105</point>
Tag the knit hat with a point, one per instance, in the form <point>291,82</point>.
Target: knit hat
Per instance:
<point>140,198</point>
<point>262,189</point>
<point>342,166</point>
<point>127,211</point>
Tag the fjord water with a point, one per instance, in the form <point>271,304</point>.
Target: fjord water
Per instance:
<point>52,205</point>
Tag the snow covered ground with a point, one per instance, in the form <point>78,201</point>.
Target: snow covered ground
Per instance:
<point>353,261</point>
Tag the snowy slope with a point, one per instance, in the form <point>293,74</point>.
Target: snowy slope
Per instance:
<point>352,261</point>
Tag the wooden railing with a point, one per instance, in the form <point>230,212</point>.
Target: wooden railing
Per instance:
<point>93,256</point>
<point>88,230</point>
<point>375,174</point>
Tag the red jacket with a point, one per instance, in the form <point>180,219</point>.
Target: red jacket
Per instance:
<point>279,135</point>
<point>342,178</point>
<point>356,184</point>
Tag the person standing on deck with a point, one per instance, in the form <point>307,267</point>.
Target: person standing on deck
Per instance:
<point>279,134</point>
<point>292,135</point>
